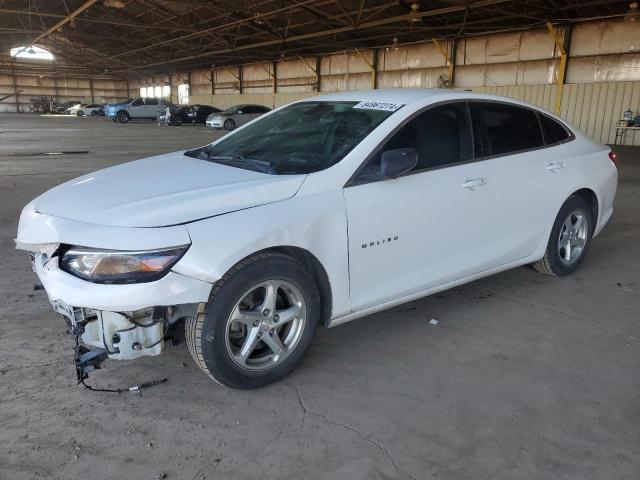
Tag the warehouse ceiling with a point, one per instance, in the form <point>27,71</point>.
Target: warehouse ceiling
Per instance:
<point>134,38</point>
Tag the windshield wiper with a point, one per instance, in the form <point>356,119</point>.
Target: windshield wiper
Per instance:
<point>262,166</point>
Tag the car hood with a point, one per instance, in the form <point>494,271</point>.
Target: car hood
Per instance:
<point>163,190</point>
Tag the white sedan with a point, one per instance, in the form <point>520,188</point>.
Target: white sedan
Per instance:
<point>320,212</point>
<point>84,109</point>
<point>73,109</point>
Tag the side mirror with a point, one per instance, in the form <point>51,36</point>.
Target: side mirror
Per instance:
<point>239,111</point>
<point>394,163</point>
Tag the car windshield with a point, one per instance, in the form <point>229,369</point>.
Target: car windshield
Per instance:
<point>304,137</point>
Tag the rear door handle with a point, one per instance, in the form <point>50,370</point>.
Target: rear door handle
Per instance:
<point>474,183</point>
<point>555,166</point>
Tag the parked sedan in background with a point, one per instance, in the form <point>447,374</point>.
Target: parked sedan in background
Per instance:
<point>73,109</point>
<point>196,113</point>
<point>93,109</point>
<point>323,211</point>
<point>236,116</point>
<point>62,107</point>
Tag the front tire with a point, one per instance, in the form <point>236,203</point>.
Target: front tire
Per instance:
<point>229,124</point>
<point>259,320</point>
<point>123,117</point>
<point>570,239</point>
<point>80,113</point>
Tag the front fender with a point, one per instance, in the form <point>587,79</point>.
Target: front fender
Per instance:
<point>316,223</point>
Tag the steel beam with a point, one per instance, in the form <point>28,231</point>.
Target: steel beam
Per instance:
<point>333,31</point>
<point>372,67</point>
<point>447,58</point>
<point>562,67</point>
<point>65,20</point>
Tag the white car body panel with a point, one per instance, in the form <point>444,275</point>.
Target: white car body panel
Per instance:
<point>176,189</point>
<point>403,227</point>
<point>315,222</point>
<point>446,234</point>
<point>41,229</point>
<point>89,110</point>
<point>74,109</point>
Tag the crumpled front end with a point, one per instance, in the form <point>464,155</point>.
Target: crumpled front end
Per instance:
<point>112,108</point>
<point>117,321</point>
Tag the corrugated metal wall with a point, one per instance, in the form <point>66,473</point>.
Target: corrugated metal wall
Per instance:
<point>60,89</point>
<point>602,78</point>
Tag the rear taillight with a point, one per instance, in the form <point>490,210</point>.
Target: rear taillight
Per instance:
<point>614,158</point>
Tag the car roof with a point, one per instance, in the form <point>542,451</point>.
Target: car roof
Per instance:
<point>407,96</point>
<point>395,95</point>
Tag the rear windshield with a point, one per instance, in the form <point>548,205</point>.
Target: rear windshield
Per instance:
<point>302,138</point>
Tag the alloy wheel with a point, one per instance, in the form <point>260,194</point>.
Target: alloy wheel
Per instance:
<point>573,237</point>
<point>265,325</point>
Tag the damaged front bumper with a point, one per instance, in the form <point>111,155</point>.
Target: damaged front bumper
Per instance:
<point>121,322</point>
<point>129,321</point>
<point>118,321</point>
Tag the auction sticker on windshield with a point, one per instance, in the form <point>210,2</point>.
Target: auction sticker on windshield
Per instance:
<point>386,106</point>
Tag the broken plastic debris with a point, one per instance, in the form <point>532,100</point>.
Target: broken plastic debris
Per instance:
<point>433,321</point>
<point>625,287</point>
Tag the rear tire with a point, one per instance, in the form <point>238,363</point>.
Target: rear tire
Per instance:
<point>570,239</point>
<point>123,117</point>
<point>246,337</point>
<point>80,113</point>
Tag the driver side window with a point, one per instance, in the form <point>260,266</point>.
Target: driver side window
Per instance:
<point>137,103</point>
<point>441,136</point>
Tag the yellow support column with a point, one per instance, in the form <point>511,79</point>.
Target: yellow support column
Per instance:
<point>562,68</point>
<point>315,70</point>
<point>372,67</point>
<point>448,60</point>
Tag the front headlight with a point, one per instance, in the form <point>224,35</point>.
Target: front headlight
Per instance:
<point>119,266</point>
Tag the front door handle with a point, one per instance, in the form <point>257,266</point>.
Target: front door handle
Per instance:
<point>474,183</point>
<point>555,166</point>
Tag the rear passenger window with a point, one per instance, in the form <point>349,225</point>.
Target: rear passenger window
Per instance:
<point>552,130</point>
<point>441,135</point>
<point>501,129</point>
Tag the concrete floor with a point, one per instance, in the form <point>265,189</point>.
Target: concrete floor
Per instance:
<point>525,377</point>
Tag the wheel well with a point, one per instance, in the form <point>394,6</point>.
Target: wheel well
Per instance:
<point>591,198</point>
<point>319,275</point>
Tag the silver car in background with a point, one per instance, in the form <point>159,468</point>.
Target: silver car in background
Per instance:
<point>235,116</point>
